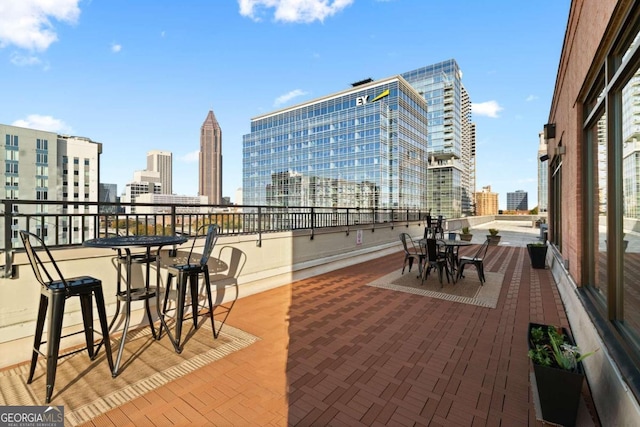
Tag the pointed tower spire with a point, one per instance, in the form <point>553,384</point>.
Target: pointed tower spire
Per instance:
<point>210,165</point>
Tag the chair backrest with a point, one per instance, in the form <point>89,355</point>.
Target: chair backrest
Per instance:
<point>212,237</point>
<point>37,264</point>
<point>408,244</point>
<point>482,251</point>
<point>432,249</point>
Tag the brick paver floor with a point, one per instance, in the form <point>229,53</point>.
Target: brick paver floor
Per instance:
<point>335,352</point>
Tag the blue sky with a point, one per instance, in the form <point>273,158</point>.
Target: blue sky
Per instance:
<point>142,75</point>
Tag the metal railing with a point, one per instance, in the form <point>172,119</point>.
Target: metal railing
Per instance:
<point>67,224</point>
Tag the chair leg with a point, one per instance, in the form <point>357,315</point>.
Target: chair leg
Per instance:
<point>53,344</point>
<point>207,285</point>
<point>37,340</point>
<point>102,315</point>
<point>193,288</point>
<point>87,320</point>
<point>182,290</point>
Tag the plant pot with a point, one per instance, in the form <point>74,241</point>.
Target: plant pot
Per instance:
<point>559,390</point>
<point>537,254</point>
<point>466,237</point>
<point>493,240</point>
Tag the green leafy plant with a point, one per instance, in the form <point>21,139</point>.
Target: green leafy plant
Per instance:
<point>494,231</point>
<point>551,348</point>
<point>465,230</point>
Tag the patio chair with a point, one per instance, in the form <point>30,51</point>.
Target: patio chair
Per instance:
<point>476,260</point>
<point>411,253</point>
<point>57,290</point>
<point>435,259</point>
<point>188,274</point>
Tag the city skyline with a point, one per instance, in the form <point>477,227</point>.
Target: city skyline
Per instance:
<point>138,78</point>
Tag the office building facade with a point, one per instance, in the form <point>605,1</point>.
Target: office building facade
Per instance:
<point>451,138</point>
<point>42,165</point>
<point>486,202</point>
<point>518,201</point>
<point>210,166</point>
<point>362,147</point>
<point>162,162</point>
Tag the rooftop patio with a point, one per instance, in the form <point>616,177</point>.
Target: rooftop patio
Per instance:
<point>333,351</point>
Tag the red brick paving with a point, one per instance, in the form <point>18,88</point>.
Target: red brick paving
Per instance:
<point>336,352</point>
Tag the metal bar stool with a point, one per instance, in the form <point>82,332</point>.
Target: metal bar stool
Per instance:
<point>57,290</point>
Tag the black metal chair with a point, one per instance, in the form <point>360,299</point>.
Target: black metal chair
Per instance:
<point>411,253</point>
<point>188,274</point>
<point>435,259</point>
<point>476,260</point>
<point>57,290</point>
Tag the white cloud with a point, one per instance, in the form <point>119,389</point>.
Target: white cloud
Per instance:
<point>27,24</point>
<point>488,108</point>
<point>305,11</point>
<point>283,99</point>
<point>191,157</point>
<point>532,98</point>
<point>23,60</point>
<point>115,47</point>
<point>47,123</point>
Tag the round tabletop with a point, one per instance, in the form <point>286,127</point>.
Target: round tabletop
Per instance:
<point>134,241</point>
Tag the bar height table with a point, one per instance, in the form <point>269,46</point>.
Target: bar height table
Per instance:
<point>142,292</point>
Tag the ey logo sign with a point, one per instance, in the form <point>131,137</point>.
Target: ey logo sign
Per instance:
<point>362,100</point>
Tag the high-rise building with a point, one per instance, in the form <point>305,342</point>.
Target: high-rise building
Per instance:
<point>42,165</point>
<point>517,201</point>
<point>543,174</point>
<point>144,182</point>
<point>486,202</point>
<point>210,167</point>
<point>362,147</point>
<point>451,138</point>
<point>162,162</point>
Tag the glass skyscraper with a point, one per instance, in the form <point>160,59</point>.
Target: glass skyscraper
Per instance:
<point>363,147</point>
<point>451,139</point>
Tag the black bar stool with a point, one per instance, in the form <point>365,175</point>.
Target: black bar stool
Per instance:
<point>57,291</point>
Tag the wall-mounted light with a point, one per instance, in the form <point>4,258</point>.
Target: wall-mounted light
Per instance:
<point>549,131</point>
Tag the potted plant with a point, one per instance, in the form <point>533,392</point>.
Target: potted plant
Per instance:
<point>558,372</point>
<point>493,237</point>
<point>537,254</point>
<point>465,235</point>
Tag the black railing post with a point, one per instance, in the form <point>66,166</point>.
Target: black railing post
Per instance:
<point>313,222</point>
<point>259,241</point>
<point>8,249</point>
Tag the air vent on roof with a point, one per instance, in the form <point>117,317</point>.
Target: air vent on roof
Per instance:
<point>362,82</point>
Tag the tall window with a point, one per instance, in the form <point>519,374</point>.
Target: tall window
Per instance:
<point>612,206</point>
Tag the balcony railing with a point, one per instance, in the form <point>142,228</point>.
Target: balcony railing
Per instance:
<point>67,224</point>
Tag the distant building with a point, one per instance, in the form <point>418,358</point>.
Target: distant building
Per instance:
<point>108,193</point>
<point>144,182</point>
<point>210,166</point>
<point>543,174</point>
<point>486,202</point>
<point>451,177</point>
<point>41,165</point>
<point>365,146</point>
<point>162,162</point>
<point>517,201</point>
<point>162,200</point>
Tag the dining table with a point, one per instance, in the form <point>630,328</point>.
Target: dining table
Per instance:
<point>136,249</point>
<point>451,248</point>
